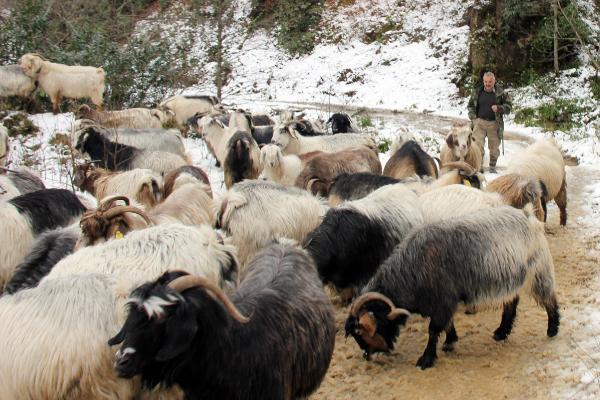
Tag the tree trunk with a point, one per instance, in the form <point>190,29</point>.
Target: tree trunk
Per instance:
<point>555,11</point>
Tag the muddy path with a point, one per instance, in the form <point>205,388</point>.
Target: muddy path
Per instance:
<point>528,365</point>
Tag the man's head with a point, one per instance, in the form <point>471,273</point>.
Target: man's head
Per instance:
<point>489,80</point>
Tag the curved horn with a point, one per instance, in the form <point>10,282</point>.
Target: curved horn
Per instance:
<point>185,282</point>
<point>469,170</point>
<point>369,296</point>
<point>108,200</point>
<point>118,210</point>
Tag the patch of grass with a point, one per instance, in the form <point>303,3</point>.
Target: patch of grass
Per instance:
<point>561,114</point>
<point>19,125</point>
<point>384,144</point>
<point>364,121</point>
<point>384,33</point>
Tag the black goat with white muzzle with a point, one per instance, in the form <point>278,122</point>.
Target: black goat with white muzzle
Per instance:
<point>182,330</point>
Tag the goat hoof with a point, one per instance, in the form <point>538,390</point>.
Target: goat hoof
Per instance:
<point>425,361</point>
<point>448,347</point>
<point>500,336</point>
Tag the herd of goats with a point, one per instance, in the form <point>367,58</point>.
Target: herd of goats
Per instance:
<point>159,290</point>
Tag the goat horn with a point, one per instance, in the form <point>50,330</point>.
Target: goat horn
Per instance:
<point>369,296</point>
<point>114,211</point>
<point>108,200</point>
<point>185,282</point>
<point>469,170</point>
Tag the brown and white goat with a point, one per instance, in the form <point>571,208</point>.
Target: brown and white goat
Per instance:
<point>142,185</point>
<point>182,175</point>
<point>321,171</point>
<point>459,147</point>
<point>409,160</point>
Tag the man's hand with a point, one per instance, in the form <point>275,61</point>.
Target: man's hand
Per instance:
<point>495,108</point>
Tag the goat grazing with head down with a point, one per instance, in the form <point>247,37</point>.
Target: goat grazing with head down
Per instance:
<point>482,258</point>
<point>59,80</point>
<point>141,185</point>
<point>319,173</point>
<point>179,324</point>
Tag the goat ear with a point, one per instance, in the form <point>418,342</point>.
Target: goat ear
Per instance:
<point>450,140</point>
<point>179,333</point>
<point>118,338</point>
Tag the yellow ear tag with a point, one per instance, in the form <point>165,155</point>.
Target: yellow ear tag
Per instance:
<point>118,235</point>
<point>465,182</point>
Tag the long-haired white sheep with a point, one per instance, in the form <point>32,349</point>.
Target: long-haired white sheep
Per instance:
<point>83,298</point>
<point>291,142</point>
<point>543,160</point>
<point>459,147</point>
<point>280,168</point>
<point>59,80</point>
<point>142,185</point>
<point>256,212</point>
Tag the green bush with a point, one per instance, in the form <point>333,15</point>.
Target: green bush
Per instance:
<point>561,114</point>
<point>296,22</point>
<point>364,121</point>
<point>139,68</point>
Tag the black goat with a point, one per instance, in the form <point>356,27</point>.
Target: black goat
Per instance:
<point>482,258</point>
<point>357,236</point>
<point>45,253</point>
<point>341,123</point>
<point>182,330</point>
<point>356,186</point>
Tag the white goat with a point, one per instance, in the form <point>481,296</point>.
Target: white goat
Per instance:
<point>293,143</point>
<point>256,212</point>
<point>58,80</point>
<point>543,160</point>
<point>143,185</point>
<point>129,118</point>
<point>185,107</point>
<point>279,168</point>
<point>456,200</point>
<point>13,82</point>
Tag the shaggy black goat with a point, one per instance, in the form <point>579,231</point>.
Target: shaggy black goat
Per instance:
<point>341,123</point>
<point>181,330</point>
<point>357,236</point>
<point>45,253</point>
<point>356,186</point>
<point>482,258</point>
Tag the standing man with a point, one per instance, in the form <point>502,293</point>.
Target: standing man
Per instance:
<point>486,107</point>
